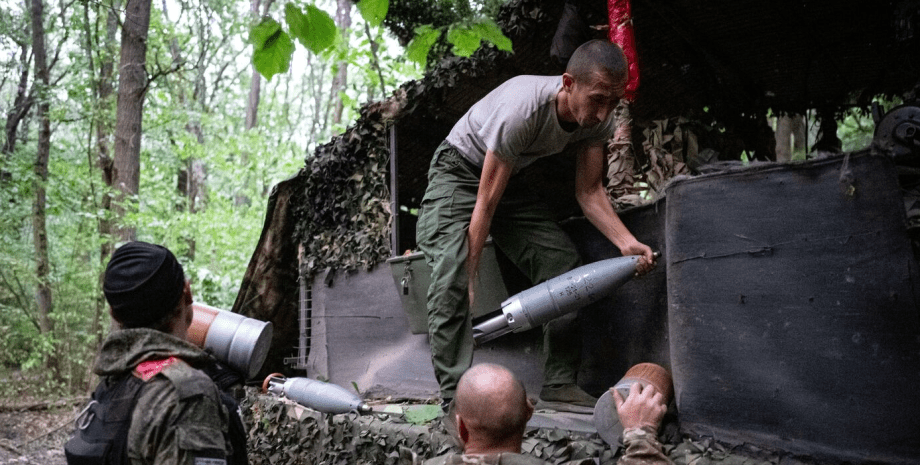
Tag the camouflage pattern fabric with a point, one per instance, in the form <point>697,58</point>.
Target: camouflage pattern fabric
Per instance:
<point>179,418</point>
<point>270,287</point>
<point>495,459</point>
<point>284,432</point>
<point>642,448</point>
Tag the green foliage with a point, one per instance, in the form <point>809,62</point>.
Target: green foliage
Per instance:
<point>855,128</point>
<point>373,11</point>
<point>405,16</point>
<point>425,38</point>
<point>272,48</point>
<point>465,37</point>
<point>193,117</point>
<point>490,32</point>
<point>464,40</point>
<point>421,414</point>
<point>315,30</point>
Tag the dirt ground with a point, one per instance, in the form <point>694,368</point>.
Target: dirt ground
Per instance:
<point>35,437</point>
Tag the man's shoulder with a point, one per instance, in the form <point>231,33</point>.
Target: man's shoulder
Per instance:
<point>535,79</point>
<point>179,383</point>
<point>184,400</point>
<point>188,381</point>
<point>543,86</point>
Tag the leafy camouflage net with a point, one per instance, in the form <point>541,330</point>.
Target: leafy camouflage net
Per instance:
<point>668,146</point>
<point>283,432</point>
<point>622,185</point>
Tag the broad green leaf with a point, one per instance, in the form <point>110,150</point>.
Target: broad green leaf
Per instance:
<point>393,409</point>
<point>272,48</point>
<point>490,32</point>
<point>421,414</point>
<point>315,29</point>
<point>260,33</point>
<point>425,38</point>
<point>464,40</point>
<point>373,11</point>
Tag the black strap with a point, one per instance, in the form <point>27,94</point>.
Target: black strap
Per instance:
<point>101,435</point>
<point>226,379</point>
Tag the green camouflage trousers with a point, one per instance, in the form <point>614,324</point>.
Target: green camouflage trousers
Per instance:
<point>523,230</point>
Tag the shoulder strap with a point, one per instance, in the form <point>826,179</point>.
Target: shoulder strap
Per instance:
<point>189,382</point>
<point>101,434</point>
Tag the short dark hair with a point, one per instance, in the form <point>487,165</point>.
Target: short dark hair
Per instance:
<point>598,56</point>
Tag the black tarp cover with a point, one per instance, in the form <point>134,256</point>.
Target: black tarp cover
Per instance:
<point>793,309</point>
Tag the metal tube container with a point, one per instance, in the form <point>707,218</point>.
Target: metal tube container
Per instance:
<point>240,342</point>
<point>606,418</point>
<point>563,294</point>
<point>317,395</point>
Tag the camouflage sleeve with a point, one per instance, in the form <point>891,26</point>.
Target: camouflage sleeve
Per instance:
<point>179,419</point>
<point>642,448</point>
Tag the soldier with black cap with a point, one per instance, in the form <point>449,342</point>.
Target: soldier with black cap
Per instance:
<point>153,405</point>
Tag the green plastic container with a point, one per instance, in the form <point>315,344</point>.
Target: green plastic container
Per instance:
<point>412,277</point>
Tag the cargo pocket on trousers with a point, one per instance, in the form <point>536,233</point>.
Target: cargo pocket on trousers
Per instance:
<point>435,208</point>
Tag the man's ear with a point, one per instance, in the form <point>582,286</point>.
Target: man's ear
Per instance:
<point>115,323</point>
<point>187,294</point>
<point>568,81</point>
<point>462,430</point>
<point>530,409</point>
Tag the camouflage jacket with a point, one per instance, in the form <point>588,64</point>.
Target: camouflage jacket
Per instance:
<point>178,418</point>
<point>507,458</point>
<point>642,448</point>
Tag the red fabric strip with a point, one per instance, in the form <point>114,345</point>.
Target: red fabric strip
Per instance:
<point>150,368</point>
<point>621,33</point>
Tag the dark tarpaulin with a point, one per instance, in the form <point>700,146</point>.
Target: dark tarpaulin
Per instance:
<point>793,298</point>
<point>270,289</point>
<point>630,326</point>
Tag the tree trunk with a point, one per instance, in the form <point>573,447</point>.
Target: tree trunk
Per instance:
<point>799,132</point>
<point>827,133</point>
<point>783,139</point>
<point>343,21</point>
<point>39,230</point>
<point>790,136</point>
<point>21,104</point>
<point>255,86</point>
<point>132,87</point>
<point>104,88</point>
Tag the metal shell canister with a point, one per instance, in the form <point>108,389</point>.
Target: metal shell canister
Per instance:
<point>317,395</point>
<point>606,419</point>
<point>236,340</point>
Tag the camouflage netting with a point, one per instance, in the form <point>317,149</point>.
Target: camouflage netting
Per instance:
<point>283,432</point>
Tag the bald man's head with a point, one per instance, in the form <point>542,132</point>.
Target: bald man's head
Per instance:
<point>492,404</point>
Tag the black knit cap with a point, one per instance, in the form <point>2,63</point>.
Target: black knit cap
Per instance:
<point>143,283</point>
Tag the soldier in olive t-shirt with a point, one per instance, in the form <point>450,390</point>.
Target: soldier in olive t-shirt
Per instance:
<point>473,192</point>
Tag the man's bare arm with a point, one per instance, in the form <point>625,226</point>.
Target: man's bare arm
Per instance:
<point>492,183</point>
<point>589,190</point>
